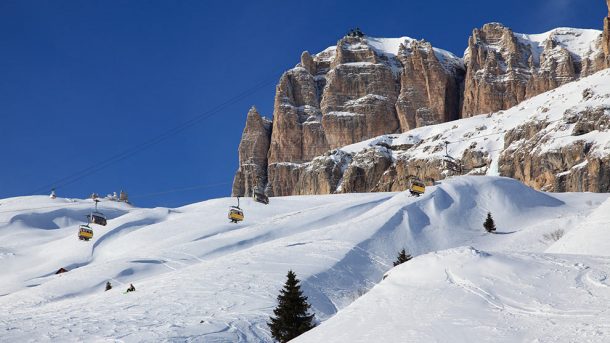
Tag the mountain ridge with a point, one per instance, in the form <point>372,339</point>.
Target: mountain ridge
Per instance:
<point>365,87</point>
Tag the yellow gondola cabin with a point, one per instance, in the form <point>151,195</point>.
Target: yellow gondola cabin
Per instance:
<point>85,233</point>
<point>236,214</point>
<point>417,187</point>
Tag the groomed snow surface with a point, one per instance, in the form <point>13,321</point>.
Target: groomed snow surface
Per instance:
<point>200,278</point>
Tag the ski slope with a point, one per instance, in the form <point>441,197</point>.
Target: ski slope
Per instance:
<point>201,278</point>
<point>591,237</point>
<point>468,295</point>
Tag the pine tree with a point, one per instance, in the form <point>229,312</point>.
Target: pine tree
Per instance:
<point>402,257</point>
<point>489,224</point>
<point>291,314</point>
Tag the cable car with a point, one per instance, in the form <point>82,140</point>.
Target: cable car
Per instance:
<point>235,213</point>
<point>84,232</point>
<point>417,187</point>
<point>260,197</point>
<point>97,217</point>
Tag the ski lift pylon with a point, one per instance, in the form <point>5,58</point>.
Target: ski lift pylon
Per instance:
<point>451,163</point>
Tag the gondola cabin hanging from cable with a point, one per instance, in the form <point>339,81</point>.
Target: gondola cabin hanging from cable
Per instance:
<point>416,187</point>
<point>85,233</point>
<point>235,213</point>
<point>260,197</point>
<point>97,217</point>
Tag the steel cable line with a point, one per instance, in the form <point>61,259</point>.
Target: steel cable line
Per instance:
<point>43,207</point>
<point>358,174</point>
<point>132,197</point>
<point>153,141</point>
<point>180,190</point>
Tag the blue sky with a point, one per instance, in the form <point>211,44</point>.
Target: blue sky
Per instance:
<point>82,81</point>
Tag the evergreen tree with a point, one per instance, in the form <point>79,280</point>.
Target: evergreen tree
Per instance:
<point>291,317</point>
<point>489,224</point>
<point>402,257</point>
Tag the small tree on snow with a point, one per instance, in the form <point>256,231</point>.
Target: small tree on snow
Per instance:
<point>489,224</point>
<point>402,257</point>
<point>291,314</point>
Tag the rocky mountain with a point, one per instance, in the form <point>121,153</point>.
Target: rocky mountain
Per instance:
<point>362,88</point>
<point>365,87</point>
<point>606,36</point>
<point>253,154</point>
<point>505,68</point>
<point>556,141</point>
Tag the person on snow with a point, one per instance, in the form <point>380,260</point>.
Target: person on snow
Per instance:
<point>131,288</point>
<point>108,286</point>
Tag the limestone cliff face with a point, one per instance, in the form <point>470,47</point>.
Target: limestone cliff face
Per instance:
<point>430,90</point>
<point>359,89</point>
<point>504,68</point>
<point>606,40</point>
<point>358,102</point>
<point>253,148</point>
<point>296,102</point>
<point>606,36</point>
<point>366,87</point>
<point>556,142</point>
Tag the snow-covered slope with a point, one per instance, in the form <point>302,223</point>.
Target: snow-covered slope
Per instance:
<point>391,47</point>
<point>591,237</point>
<point>467,295</point>
<point>581,43</point>
<point>200,278</point>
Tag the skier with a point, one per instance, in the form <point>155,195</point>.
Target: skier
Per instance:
<point>131,288</point>
<point>108,286</point>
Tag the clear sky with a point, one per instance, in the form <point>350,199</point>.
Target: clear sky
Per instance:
<point>82,81</point>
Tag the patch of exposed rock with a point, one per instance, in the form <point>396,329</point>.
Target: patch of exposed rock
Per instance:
<point>576,167</point>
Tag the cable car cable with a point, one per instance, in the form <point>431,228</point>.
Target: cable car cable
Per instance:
<point>155,140</point>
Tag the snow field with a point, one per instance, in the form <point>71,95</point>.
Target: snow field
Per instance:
<point>201,278</point>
